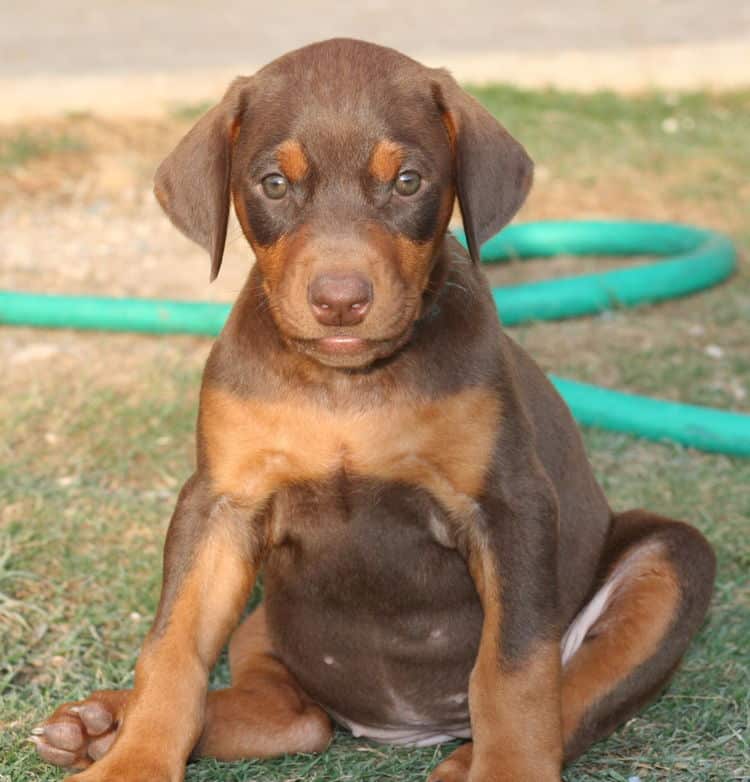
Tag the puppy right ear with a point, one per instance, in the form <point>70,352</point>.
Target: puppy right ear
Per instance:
<point>193,182</point>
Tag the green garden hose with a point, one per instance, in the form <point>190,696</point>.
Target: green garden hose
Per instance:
<point>694,259</point>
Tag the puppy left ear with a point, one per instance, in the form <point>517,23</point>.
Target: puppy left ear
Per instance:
<point>493,171</point>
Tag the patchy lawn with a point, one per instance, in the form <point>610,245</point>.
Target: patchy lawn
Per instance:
<point>96,430</point>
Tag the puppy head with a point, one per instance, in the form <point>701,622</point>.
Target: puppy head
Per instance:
<point>343,160</point>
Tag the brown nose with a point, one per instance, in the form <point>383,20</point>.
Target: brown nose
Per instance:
<point>340,299</point>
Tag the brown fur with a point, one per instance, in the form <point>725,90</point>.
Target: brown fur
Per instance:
<point>412,486</point>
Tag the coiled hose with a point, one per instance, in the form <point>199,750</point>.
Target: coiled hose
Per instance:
<point>692,259</point>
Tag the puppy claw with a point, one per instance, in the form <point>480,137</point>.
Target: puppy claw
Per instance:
<point>37,731</point>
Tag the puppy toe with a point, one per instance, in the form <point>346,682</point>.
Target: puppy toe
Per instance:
<point>53,755</point>
<point>95,718</point>
<point>64,734</point>
<point>99,747</point>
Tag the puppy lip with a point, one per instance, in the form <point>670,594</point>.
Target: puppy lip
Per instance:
<point>341,344</point>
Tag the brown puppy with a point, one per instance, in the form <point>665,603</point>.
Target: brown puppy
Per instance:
<point>439,560</point>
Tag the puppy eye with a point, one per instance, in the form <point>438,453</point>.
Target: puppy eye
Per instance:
<point>407,183</point>
<point>275,186</point>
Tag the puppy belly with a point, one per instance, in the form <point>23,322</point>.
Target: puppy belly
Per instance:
<point>376,617</point>
<point>385,687</point>
<point>379,622</point>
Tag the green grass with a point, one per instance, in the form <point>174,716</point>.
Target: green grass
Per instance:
<point>188,112</point>
<point>585,133</point>
<point>89,470</point>
<point>18,148</point>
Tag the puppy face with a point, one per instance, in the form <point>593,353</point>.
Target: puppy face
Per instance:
<point>343,160</point>
<point>345,200</point>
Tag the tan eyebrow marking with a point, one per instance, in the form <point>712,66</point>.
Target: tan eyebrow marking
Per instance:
<point>292,160</point>
<point>386,159</point>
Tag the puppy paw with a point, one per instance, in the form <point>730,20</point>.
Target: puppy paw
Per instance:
<point>455,768</point>
<point>81,732</point>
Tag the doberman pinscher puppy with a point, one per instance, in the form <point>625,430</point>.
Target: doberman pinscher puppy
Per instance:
<point>438,558</point>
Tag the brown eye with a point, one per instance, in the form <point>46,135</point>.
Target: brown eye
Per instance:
<point>275,186</point>
<point>407,183</point>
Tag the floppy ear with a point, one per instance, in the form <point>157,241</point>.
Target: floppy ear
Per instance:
<point>193,182</point>
<point>493,171</point>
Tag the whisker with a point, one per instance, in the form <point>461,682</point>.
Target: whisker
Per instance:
<point>450,284</point>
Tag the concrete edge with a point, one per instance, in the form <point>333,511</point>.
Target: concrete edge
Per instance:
<point>722,65</point>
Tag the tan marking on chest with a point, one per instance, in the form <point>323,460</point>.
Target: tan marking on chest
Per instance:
<point>254,447</point>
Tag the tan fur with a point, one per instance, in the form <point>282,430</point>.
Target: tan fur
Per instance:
<point>515,710</point>
<point>515,716</point>
<point>628,634</point>
<point>455,768</point>
<point>240,208</point>
<point>273,260</point>
<point>292,160</point>
<point>254,447</point>
<point>264,713</point>
<point>173,665</point>
<point>386,160</point>
<point>414,260</point>
<point>449,120</point>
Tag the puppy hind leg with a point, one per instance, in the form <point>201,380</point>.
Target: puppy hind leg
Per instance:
<point>624,645</point>
<point>265,712</point>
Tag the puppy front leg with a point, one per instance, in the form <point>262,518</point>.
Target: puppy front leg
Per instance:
<point>211,558</point>
<point>514,703</point>
<point>514,689</point>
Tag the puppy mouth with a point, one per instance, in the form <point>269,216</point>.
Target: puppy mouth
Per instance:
<point>342,345</point>
<point>351,352</point>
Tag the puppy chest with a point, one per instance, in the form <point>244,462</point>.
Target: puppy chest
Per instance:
<point>255,447</point>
